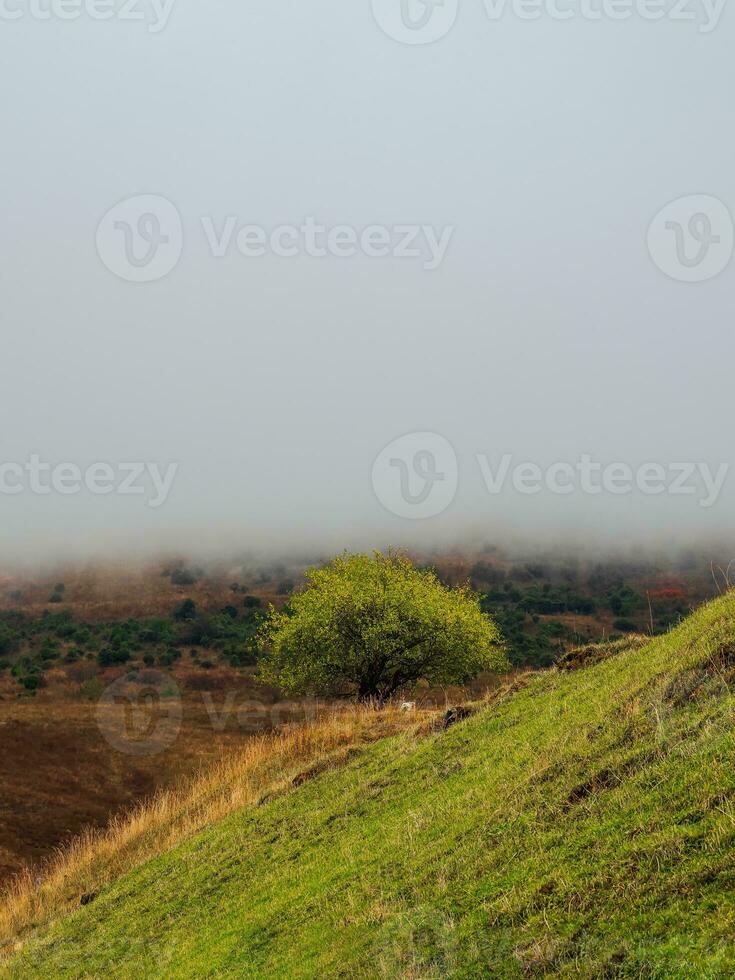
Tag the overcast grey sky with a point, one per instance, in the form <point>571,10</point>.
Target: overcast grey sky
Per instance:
<point>547,330</point>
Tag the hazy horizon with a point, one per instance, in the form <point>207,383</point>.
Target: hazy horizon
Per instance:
<point>542,318</point>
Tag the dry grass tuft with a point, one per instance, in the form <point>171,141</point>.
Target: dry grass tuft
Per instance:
<point>267,765</point>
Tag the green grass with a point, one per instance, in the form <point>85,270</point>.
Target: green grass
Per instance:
<point>583,827</point>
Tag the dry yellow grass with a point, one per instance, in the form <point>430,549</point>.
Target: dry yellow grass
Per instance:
<point>267,765</point>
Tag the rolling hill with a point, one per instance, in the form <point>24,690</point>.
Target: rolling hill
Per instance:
<point>580,824</point>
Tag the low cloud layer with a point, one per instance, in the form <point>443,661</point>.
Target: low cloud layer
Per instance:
<point>318,277</point>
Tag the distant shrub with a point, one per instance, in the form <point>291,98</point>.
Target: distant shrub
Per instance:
<point>555,629</point>
<point>49,649</point>
<point>625,626</point>
<point>156,631</point>
<point>241,655</point>
<point>56,597</point>
<point>110,657</point>
<point>186,611</point>
<point>8,641</point>
<point>149,660</point>
<point>180,576</point>
<point>252,602</point>
<point>197,631</point>
<point>230,611</point>
<point>623,601</point>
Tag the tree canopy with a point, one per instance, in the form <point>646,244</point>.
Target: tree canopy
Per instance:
<point>376,624</point>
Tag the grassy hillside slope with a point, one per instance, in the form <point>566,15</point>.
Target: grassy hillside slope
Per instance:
<point>582,827</point>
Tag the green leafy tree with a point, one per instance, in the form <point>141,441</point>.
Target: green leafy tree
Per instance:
<point>377,624</point>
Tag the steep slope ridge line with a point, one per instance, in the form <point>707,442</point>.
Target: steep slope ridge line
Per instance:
<point>266,766</point>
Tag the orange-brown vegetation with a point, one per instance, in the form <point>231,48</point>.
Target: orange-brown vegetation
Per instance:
<point>261,767</point>
<point>59,774</point>
<point>118,591</point>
